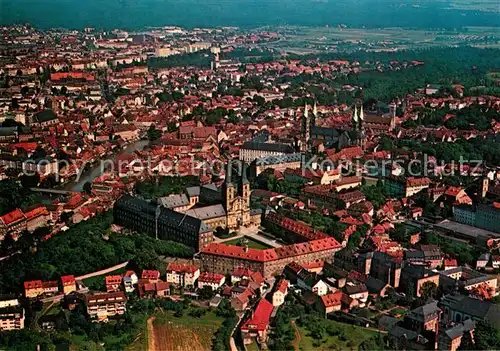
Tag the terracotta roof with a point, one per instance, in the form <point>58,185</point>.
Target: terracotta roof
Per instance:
<point>271,254</point>
<point>33,284</point>
<point>260,318</point>
<point>150,274</point>
<point>207,277</point>
<point>12,217</point>
<point>333,299</point>
<point>113,279</point>
<point>68,280</point>
<point>181,268</point>
<point>282,286</point>
<point>39,211</point>
<point>50,284</point>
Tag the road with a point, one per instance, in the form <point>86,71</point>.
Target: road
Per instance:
<point>102,271</point>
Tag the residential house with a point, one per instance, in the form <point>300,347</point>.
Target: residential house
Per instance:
<point>113,283</point>
<point>240,301</point>
<point>310,281</point>
<point>50,287</point>
<point>257,326</point>
<point>214,280</point>
<point>240,273</point>
<point>280,293</point>
<point>11,314</point>
<point>182,275</point>
<point>12,222</point>
<point>68,284</point>
<point>376,287</point>
<point>330,302</point>
<point>33,288</point>
<point>152,276</point>
<point>129,280</point>
<point>37,217</point>
<point>483,261</point>
<point>357,291</point>
<point>162,289</point>
<point>104,305</point>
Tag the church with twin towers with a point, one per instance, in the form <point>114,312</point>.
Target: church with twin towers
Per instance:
<point>338,139</point>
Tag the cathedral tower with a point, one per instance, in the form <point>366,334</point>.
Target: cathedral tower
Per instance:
<point>362,132</point>
<point>245,187</point>
<point>229,190</point>
<point>307,124</point>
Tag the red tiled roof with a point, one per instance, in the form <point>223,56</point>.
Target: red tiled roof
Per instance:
<point>282,286</point>
<point>160,286</point>
<point>333,299</point>
<point>50,284</point>
<point>299,228</point>
<point>207,277</point>
<point>150,274</point>
<point>28,147</point>
<point>72,75</point>
<point>113,279</point>
<point>68,280</point>
<point>33,284</point>
<point>181,268</point>
<point>260,319</point>
<point>12,217</point>
<point>36,212</point>
<point>271,254</point>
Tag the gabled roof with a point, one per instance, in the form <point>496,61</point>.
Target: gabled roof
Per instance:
<point>261,317</point>
<point>12,217</point>
<point>332,299</point>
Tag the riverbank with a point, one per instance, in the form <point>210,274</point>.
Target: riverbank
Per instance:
<point>97,170</point>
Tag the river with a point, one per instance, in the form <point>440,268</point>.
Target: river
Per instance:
<point>96,171</point>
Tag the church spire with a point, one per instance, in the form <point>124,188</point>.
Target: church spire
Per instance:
<point>361,114</point>
<point>355,117</point>
<point>315,109</point>
<point>244,179</point>
<point>306,111</point>
<point>229,170</point>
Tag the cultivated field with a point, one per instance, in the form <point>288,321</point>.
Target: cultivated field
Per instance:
<point>303,40</point>
<point>166,332</point>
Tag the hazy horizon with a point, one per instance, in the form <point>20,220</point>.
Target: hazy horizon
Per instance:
<point>135,14</point>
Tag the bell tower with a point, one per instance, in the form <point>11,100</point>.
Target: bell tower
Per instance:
<point>229,190</point>
<point>307,124</point>
<point>362,132</point>
<point>245,187</point>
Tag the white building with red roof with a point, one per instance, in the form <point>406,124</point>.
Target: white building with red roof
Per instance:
<point>280,293</point>
<point>182,274</point>
<point>12,222</point>
<point>68,284</point>
<point>214,280</point>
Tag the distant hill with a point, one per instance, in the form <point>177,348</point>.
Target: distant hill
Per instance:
<point>133,14</point>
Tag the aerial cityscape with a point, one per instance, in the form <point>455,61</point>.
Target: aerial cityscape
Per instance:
<point>249,175</point>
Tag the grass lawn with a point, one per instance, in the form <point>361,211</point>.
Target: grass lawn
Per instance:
<point>349,338</point>
<point>252,244</point>
<point>252,347</point>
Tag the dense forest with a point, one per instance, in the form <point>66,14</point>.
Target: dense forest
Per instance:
<point>86,247</point>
